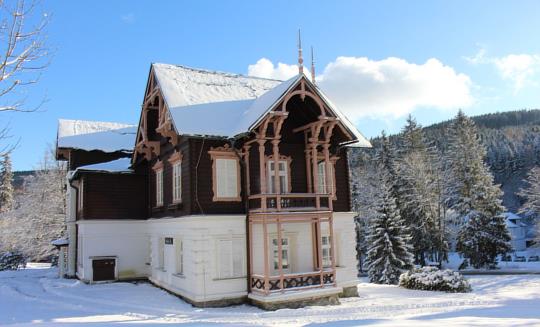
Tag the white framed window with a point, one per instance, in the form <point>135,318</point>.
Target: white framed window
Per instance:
<point>285,254</point>
<point>283,172</point>
<point>230,257</point>
<point>177,182</point>
<point>179,256</point>
<point>227,178</point>
<point>326,244</point>
<point>159,187</point>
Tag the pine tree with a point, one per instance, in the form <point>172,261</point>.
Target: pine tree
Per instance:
<point>531,194</point>
<point>6,185</point>
<point>420,192</point>
<point>388,254</point>
<point>475,197</point>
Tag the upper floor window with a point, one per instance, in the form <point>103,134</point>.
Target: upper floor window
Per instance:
<point>225,174</point>
<point>176,162</point>
<point>158,170</point>
<point>283,173</point>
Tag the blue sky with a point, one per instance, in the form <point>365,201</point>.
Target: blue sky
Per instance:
<point>379,59</point>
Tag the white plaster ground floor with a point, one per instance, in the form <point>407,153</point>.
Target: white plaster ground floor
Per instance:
<point>204,259</point>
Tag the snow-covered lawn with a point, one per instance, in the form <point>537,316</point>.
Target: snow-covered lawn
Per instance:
<point>37,296</point>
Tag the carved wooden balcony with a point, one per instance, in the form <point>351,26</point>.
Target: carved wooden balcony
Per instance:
<point>290,282</point>
<point>289,202</point>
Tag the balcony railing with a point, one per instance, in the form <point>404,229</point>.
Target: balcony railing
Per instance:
<point>289,202</point>
<point>299,281</point>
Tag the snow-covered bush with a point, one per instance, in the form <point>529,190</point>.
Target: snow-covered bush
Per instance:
<point>11,261</point>
<point>433,279</point>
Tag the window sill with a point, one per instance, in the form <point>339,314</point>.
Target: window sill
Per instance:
<point>182,276</point>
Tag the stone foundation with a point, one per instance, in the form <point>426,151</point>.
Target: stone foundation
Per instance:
<point>295,304</point>
<point>351,291</point>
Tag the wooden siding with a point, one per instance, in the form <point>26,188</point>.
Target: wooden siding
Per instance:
<point>113,196</point>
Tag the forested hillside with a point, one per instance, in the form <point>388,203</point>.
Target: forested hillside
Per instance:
<point>512,140</point>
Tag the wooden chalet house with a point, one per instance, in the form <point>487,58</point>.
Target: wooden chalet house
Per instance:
<point>231,188</point>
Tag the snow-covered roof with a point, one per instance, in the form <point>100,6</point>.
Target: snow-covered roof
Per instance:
<point>109,140</point>
<point>183,86</point>
<point>210,103</point>
<point>121,165</point>
<point>69,127</point>
<point>228,118</point>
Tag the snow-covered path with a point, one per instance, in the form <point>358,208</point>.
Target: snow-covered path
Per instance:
<point>37,296</point>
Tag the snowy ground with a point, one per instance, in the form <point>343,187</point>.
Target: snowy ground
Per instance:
<point>37,296</point>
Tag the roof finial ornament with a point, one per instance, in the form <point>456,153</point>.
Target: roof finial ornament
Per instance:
<point>312,66</point>
<point>300,59</point>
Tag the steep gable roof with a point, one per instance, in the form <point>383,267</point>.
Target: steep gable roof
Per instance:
<point>184,86</point>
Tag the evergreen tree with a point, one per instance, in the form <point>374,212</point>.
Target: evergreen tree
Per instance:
<point>6,185</point>
<point>531,194</point>
<point>420,193</point>
<point>388,252</point>
<point>475,197</point>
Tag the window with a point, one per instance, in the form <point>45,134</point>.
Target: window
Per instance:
<point>283,173</point>
<point>322,187</point>
<point>79,250</point>
<point>177,182</point>
<point>176,163</point>
<point>231,258</point>
<point>225,174</point>
<point>159,187</point>
<point>179,257</point>
<point>284,253</point>
<point>326,242</point>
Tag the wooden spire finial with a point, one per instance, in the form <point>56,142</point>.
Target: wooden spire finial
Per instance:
<point>300,59</point>
<point>312,66</point>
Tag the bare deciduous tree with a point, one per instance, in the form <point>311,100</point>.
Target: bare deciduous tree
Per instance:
<point>23,51</point>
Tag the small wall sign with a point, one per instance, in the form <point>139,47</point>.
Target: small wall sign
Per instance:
<point>168,240</point>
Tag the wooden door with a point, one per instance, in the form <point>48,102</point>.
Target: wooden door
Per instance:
<point>103,269</point>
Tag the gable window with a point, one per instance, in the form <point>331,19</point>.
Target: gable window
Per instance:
<point>158,171</point>
<point>284,253</point>
<point>283,173</point>
<point>231,257</point>
<point>176,162</point>
<point>225,174</point>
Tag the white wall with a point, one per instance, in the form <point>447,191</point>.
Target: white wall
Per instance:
<point>200,236</point>
<point>127,240</point>
<point>345,238</point>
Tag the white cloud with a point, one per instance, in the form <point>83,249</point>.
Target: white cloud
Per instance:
<point>265,68</point>
<point>519,69</point>
<point>387,88</point>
